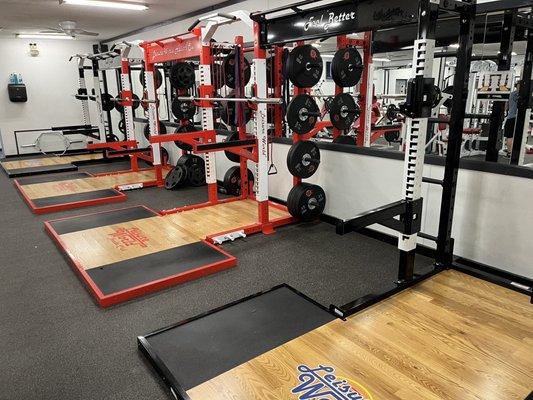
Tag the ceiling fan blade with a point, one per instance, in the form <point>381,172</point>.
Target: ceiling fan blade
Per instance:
<point>51,30</point>
<point>84,32</point>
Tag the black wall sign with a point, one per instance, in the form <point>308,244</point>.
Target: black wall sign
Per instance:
<point>340,18</point>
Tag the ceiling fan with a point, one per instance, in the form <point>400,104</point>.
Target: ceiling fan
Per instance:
<point>69,28</point>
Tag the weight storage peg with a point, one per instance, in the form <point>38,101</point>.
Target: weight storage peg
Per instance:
<point>306,201</point>
<point>303,159</point>
<point>302,113</point>
<point>346,67</point>
<point>304,66</point>
<point>343,111</point>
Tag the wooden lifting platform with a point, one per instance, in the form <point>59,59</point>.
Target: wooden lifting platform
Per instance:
<point>50,164</point>
<point>56,193</point>
<point>452,336</point>
<point>130,252</point>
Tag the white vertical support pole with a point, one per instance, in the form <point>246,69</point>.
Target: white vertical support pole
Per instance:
<point>527,122</point>
<point>423,52</point>
<point>103,126</point>
<point>153,118</point>
<point>128,109</point>
<point>82,85</point>
<point>260,126</point>
<point>261,129</point>
<point>368,104</point>
<point>207,113</point>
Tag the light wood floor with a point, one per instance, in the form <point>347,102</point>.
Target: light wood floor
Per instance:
<point>52,160</point>
<point>83,185</point>
<point>452,337</point>
<point>100,246</point>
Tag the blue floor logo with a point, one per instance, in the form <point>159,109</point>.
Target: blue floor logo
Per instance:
<point>321,383</point>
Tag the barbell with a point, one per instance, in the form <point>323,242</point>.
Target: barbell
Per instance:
<point>273,100</point>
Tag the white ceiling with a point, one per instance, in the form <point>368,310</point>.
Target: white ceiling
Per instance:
<point>30,16</point>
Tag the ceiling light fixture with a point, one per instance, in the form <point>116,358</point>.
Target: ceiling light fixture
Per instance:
<point>454,46</point>
<point>381,59</point>
<point>106,4</point>
<point>43,36</point>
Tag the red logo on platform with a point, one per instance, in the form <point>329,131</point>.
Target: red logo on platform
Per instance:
<point>124,237</point>
<point>65,186</point>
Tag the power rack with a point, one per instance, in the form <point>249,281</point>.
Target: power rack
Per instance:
<point>302,21</point>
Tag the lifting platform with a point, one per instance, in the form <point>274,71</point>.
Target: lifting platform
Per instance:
<point>49,164</point>
<point>126,253</point>
<point>452,336</point>
<point>64,192</point>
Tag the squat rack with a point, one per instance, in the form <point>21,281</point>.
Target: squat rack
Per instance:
<point>297,24</point>
<point>197,42</point>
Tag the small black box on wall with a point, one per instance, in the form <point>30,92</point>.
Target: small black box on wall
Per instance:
<point>17,93</point>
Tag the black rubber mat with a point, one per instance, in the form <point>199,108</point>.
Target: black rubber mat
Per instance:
<point>52,178</point>
<point>89,221</point>
<point>195,351</point>
<point>76,197</point>
<point>45,169</point>
<point>145,269</point>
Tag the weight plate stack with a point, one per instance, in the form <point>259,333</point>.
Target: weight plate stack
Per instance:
<point>195,169</point>
<point>303,159</point>
<point>304,66</point>
<point>343,111</point>
<point>187,128</point>
<point>162,130</point>
<point>232,156</point>
<point>346,67</point>
<point>298,119</point>
<point>232,180</point>
<point>182,75</point>
<point>306,201</point>
<point>183,109</point>
<point>230,76</point>
<point>176,177</point>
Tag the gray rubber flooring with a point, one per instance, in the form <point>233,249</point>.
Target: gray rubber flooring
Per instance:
<point>56,343</point>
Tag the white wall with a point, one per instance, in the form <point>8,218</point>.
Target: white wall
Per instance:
<point>493,212</point>
<point>50,80</point>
